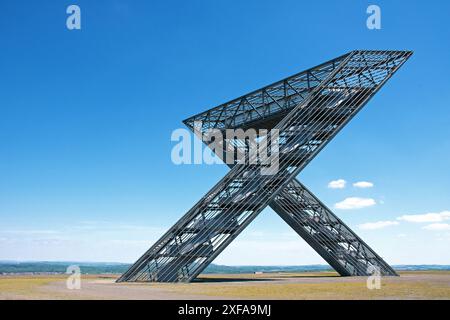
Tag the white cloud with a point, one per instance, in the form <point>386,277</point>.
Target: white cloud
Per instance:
<point>355,203</point>
<point>377,225</point>
<point>337,184</point>
<point>426,217</point>
<point>438,227</point>
<point>363,184</point>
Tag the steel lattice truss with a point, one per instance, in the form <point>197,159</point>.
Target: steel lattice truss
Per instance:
<point>308,109</point>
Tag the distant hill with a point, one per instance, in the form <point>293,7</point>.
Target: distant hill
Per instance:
<point>13,267</point>
<point>61,267</point>
<point>214,268</point>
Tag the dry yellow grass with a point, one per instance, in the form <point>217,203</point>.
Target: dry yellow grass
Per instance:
<point>424,287</point>
<point>24,286</point>
<point>31,287</point>
<point>323,285</point>
<point>356,290</point>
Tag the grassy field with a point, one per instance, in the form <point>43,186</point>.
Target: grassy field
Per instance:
<point>324,285</point>
<point>320,285</point>
<point>19,287</point>
<point>33,287</point>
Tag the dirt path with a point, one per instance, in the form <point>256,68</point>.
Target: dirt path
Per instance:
<point>108,289</point>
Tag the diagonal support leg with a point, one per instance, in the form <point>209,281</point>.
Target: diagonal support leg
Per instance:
<point>328,235</point>
<point>335,242</point>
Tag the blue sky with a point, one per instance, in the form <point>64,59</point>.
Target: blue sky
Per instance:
<point>86,118</point>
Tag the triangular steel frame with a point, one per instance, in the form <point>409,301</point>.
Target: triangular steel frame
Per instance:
<point>308,109</point>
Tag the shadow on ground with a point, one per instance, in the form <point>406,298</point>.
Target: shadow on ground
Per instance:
<point>212,280</point>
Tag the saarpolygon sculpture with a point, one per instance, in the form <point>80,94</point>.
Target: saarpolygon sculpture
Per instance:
<point>307,110</point>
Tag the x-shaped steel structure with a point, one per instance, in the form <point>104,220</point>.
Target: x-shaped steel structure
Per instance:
<point>307,110</point>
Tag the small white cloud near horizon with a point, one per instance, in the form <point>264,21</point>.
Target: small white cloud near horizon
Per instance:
<point>377,225</point>
<point>426,217</point>
<point>355,203</point>
<point>437,227</point>
<point>337,184</point>
<point>363,184</point>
